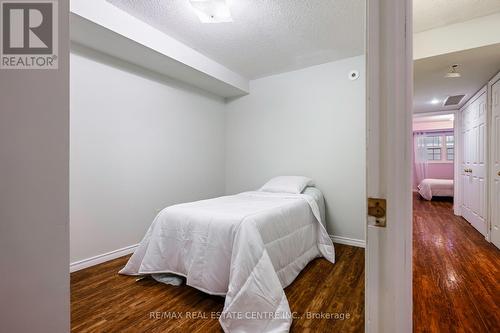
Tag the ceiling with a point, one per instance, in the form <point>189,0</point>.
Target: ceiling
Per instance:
<point>430,14</point>
<point>477,66</point>
<point>265,37</point>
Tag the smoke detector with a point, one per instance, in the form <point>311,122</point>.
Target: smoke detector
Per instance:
<point>453,72</point>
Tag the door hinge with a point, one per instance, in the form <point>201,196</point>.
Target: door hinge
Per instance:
<point>377,209</point>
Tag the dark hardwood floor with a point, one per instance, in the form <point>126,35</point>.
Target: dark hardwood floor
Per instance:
<point>456,273</point>
<point>103,301</point>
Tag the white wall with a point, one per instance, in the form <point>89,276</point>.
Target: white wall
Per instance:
<point>139,142</point>
<point>34,185</point>
<point>308,122</point>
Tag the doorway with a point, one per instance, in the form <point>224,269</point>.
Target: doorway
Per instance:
<point>455,266</point>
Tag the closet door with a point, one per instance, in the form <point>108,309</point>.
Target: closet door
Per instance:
<point>474,162</point>
<point>495,164</point>
<point>466,162</point>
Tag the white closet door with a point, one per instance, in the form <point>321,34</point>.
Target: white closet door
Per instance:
<point>473,171</point>
<point>495,165</point>
<point>466,206</point>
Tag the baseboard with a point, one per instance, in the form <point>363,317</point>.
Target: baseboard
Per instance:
<point>99,259</point>
<point>348,241</point>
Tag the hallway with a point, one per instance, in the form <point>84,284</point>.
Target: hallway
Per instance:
<point>455,272</point>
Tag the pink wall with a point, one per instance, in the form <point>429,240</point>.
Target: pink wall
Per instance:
<point>438,171</point>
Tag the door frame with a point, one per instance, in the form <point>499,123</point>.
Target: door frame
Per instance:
<point>490,176</point>
<point>388,256</point>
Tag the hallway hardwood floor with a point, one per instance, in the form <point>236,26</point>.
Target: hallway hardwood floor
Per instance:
<point>103,301</point>
<point>456,272</point>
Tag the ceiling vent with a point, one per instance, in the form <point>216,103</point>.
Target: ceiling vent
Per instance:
<point>453,100</point>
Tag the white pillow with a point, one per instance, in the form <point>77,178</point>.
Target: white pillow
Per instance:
<point>287,184</point>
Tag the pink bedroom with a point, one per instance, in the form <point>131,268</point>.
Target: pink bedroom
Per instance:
<point>434,154</point>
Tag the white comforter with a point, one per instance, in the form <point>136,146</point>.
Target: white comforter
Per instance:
<point>430,187</point>
<point>247,247</point>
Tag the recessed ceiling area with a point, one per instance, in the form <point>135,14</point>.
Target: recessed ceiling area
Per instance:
<point>430,14</point>
<point>265,37</point>
<point>431,88</point>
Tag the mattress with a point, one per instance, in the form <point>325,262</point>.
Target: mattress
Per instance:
<point>429,188</point>
<point>246,247</point>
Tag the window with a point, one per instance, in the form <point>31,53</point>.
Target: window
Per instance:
<point>450,154</point>
<point>433,141</point>
<point>450,147</point>
<point>434,154</point>
<point>433,146</point>
<point>440,147</point>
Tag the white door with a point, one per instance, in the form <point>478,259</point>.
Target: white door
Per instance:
<point>473,166</point>
<point>495,162</point>
<point>389,117</point>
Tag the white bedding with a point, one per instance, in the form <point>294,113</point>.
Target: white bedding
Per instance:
<point>247,247</point>
<point>429,188</point>
<point>320,201</point>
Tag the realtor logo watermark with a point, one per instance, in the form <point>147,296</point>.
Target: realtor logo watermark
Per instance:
<point>28,37</point>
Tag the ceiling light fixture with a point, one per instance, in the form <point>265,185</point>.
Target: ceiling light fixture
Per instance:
<point>435,101</point>
<point>453,72</point>
<point>212,11</point>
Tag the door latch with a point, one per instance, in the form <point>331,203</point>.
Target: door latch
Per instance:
<point>377,209</point>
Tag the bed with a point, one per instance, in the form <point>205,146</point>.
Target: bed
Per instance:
<point>246,247</point>
<point>429,188</point>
